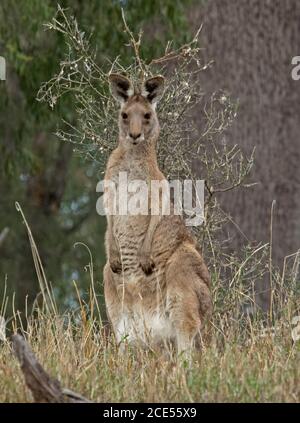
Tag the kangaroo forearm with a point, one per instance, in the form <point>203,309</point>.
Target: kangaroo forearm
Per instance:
<point>154,221</point>
<point>112,244</point>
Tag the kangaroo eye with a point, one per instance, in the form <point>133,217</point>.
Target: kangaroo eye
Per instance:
<point>147,116</point>
<point>124,115</point>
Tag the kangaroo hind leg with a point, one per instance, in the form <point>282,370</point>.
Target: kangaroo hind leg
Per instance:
<point>188,297</point>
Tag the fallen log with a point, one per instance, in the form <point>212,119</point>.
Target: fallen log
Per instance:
<point>44,388</point>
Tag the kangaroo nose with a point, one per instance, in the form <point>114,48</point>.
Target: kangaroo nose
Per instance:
<point>135,136</point>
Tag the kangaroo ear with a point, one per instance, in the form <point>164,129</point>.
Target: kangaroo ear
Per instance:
<point>121,87</point>
<point>153,89</point>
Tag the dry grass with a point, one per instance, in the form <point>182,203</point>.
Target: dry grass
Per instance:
<point>264,368</point>
<point>248,359</point>
<point>251,357</point>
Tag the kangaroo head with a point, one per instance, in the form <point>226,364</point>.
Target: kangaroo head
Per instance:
<point>138,121</point>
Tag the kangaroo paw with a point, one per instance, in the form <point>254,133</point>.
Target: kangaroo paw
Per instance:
<point>115,265</point>
<point>147,264</point>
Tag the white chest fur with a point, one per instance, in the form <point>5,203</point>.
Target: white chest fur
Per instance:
<point>146,328</point>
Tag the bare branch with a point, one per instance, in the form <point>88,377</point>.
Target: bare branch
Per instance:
<point>44,388</point>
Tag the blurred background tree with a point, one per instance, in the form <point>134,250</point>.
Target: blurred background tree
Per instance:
<point>252,43</point>
<point>56,187</point>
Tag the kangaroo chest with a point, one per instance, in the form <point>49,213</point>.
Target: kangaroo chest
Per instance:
<point>131,181</point>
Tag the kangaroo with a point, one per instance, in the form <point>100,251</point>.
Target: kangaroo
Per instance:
<point>156,284</point>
